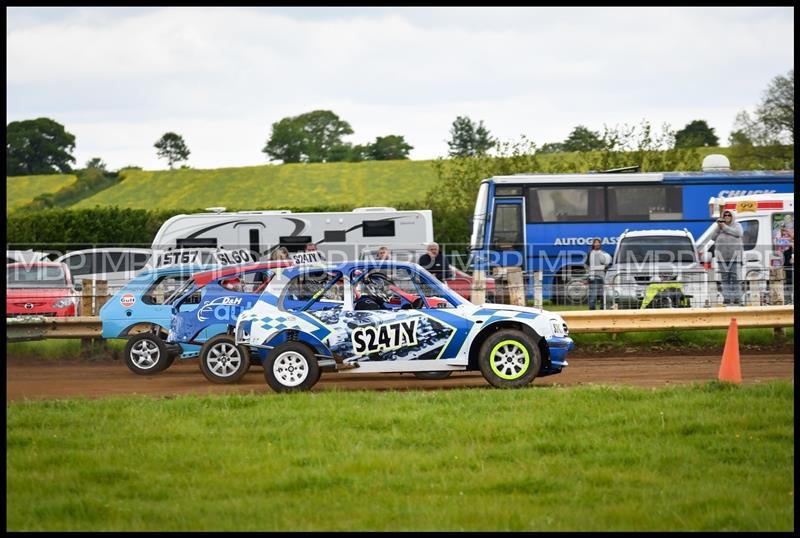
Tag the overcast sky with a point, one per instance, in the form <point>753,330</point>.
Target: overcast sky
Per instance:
<point>118,78</point>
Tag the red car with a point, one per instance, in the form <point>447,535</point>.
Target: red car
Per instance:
<point>40,289</point>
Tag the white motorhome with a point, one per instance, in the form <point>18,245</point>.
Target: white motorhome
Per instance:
<point>339,236</point>
<point>768,224</point>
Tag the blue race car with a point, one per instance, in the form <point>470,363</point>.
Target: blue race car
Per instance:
<point>373,316</point>
<point>204,312</point>
<point>138,313</point>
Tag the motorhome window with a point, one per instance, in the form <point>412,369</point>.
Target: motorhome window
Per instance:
<point>507,226</point>
<point>163,288</point>
<point>335,236</point>
<point>749,234</point>
<point>197,242</point>
<point>653,202</point>
<point>255,242</point>
<point>565,204</point>
<point>378,228</point>
<point>508,191</point>
<point>656,249</point>
<point>294,243</point>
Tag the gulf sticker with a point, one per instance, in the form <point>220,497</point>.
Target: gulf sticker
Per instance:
<point>747,205</point>
<point>127,300</point>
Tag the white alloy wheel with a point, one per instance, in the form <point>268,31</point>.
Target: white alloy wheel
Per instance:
<point>290,368</point>
<point>144,354</point>
<point>224,359</point>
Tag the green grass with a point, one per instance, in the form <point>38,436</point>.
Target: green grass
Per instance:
<point>59,348</point>
<point>21,190</point>
<point>373,183</point>
<point>680,340</point>
<point>697,457</point>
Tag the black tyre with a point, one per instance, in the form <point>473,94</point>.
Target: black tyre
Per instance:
<point>291,367</point>
<point>509,359</point>
<point>146,354</point>
<point>222,361</point>
<point>432,375</point>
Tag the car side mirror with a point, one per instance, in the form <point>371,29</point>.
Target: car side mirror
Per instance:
<point>78,286</point>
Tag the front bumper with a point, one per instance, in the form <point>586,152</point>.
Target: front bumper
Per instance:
<point>559,346</point>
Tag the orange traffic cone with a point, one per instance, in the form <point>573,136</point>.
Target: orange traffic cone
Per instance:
<point>729,369</point>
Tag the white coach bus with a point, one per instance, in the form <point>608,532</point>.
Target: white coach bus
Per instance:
<point>338,236</point>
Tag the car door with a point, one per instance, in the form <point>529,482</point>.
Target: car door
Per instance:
<point>407,326</point>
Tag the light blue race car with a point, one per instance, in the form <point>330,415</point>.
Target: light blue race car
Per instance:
<point>372,316</point>
<point>138,313</point>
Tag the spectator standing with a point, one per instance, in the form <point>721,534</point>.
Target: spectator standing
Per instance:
<point>598,261</point>
<point>434,261</point>
<point>312,247</point>
<point>383,254</point>
<point>729,251</point>
<point>280,253</point>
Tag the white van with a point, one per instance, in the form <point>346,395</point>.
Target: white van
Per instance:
<point>115,265</point>
<point>339,236</point>
<point>768,224</point>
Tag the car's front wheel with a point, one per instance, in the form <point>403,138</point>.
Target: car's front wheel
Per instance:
<point>146,354</point>
<point>291,367</point>
<point>509,359</point>
<point>222,361</point>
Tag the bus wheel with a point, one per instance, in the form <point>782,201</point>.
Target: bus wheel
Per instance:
<point>574,287</point>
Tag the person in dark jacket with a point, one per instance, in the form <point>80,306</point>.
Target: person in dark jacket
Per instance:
<point>434,261</point>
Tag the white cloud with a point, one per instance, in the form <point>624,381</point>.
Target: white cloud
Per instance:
<point>119,78</point>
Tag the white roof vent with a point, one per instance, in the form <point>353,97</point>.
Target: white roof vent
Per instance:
<point>716,163</point>
<point>215,209</point>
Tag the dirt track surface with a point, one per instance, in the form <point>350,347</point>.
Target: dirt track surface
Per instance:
<point>33,379</point>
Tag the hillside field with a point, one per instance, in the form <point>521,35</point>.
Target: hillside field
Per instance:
<point>21,190</point>
<point>372,183</point>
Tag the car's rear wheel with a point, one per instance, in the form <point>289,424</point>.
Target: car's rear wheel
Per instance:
<point>509,359</point>
<point>222,361</point>
<point>432,375</point>
<point>291,367</point>
<point>146,354</point>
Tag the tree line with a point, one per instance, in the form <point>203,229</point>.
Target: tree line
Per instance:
<point>43,146</point>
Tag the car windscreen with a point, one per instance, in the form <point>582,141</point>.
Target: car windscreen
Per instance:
<point>46,276</point>
<point>656,249</point>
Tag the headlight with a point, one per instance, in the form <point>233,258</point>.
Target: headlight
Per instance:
<point>63,303</point>
<point>559,327</point>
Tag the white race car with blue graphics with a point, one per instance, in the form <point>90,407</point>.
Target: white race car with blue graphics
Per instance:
<point>372,316</point>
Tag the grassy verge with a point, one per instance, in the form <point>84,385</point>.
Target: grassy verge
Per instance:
<point>680,340</point>
<point>63,348</point>
<point>697,457</point>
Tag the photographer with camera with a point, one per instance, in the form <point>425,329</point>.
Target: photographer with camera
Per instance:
<point>729,251</point>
